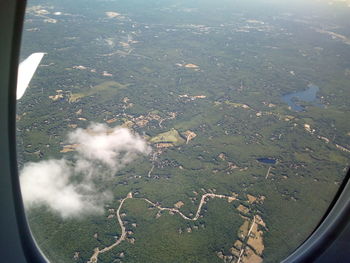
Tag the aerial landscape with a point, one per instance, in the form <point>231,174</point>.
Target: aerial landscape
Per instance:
<point>182,131</point>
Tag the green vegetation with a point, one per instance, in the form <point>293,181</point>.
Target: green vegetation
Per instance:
<point>106,87</point>
<point>133,74</point>
<point>171,136</point>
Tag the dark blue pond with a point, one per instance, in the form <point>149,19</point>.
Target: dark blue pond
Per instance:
<point>267,160</point>
<point>308,95</point>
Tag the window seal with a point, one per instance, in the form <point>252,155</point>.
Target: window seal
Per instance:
<point>30,249</point>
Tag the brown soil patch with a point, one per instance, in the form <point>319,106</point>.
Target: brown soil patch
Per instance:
<point>128,124</point>
<point>251,198</point>
<point>250,257</point>
<point>243,230</point>
<point>191,66</point>
<point>111,120</point>
<point>189,135</point>
<point>243,209</point>
<point>56,97</point>
<point>142,123</point>
<point>259,221</point>
<point>222,156</point>
<point>231,199</point>
<point>234,251</point>
<point>164,145</point>
<point>112,14</point>
<point>69,148</point>
<point>255,239</point>
<point>238,244</point>
<point>232,166</point>
<point>179,204</point>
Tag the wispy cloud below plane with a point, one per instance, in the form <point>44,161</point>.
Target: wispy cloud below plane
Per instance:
<point>71,188</point>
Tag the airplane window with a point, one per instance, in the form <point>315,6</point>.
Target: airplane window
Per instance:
<point>181,131</point>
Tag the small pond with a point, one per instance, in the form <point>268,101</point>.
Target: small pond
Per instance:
<point>267,160</point>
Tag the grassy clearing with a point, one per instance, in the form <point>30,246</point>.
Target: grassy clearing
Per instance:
<point>107,86</point>
<point>171,136</point>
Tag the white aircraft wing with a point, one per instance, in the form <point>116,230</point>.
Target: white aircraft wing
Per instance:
<point>26,71</point>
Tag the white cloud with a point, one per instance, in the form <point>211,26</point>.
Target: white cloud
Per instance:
<point>69,188</point>
<point>112,147</point>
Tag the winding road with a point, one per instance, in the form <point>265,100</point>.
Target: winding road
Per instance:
<point>97,251</point>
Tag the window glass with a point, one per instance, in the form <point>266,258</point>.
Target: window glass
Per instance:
<point>181,131</point>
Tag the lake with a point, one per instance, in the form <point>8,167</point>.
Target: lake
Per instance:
<point>308,95</point>
<point>267,160</point>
